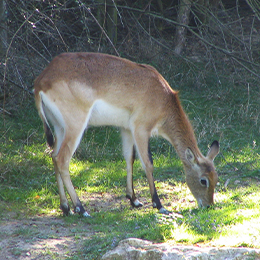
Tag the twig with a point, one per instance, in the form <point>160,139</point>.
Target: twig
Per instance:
<point>245,67</point>
<point>160,43</point>
<point>191,30</point>
<point>118,13</point>
<point>234,168</point>
<point>101,28</point>
<point>137,19</point>
<point>47,17</point>
<point>7,53</point>
<point>255,6</point>
<point>17,85</point>
<point>5,111</point>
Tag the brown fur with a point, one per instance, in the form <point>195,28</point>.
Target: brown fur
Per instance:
<point>73,83</point>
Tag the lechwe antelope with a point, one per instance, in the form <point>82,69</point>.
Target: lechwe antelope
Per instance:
<point>78,90</point>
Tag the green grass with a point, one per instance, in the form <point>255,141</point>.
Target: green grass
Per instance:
<point>227,112</point>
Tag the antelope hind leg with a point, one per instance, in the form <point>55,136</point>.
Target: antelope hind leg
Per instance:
<point>63,178</point>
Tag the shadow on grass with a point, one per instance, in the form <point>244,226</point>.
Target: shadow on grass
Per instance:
<point>27,181</point>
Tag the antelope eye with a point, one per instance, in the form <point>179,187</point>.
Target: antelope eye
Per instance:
<point>204,182</point>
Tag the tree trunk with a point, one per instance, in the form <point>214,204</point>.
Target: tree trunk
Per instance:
<point>107,18</point>
<point>3,34</point>
<point>112,21</point>
<point>183,18</point>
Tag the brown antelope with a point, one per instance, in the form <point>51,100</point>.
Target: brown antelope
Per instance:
<point>77,90</point>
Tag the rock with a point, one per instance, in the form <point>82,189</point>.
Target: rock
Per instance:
<point>138,249</point>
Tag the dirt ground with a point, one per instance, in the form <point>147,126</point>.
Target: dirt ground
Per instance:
<point>40,237</point>
<point>47,236</point>
<point>51,236</point>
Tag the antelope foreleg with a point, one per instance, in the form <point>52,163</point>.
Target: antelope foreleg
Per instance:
<point>130,193</point>
<point>155,199</point>
<point>142,144</point>
<point>129,154</point>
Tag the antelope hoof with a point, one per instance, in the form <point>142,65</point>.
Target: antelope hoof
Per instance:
<point>82,212</point>
<point>70,213</point>
<point>66,209</point>
<point>86,215</point>
<point>135,203</point>
<point>164,211</point>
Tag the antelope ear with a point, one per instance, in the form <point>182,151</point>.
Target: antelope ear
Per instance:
<point>190,157</point>
<point>213,150</point>
<point>204,181</point>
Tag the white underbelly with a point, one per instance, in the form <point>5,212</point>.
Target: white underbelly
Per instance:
<point>104,114</point>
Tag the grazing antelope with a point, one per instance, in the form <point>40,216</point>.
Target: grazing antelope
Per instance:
<point>77,90</point>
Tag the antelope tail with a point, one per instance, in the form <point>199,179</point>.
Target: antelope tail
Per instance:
<point>51,116</point>
<point>48,133</point>
<point>46,126</point>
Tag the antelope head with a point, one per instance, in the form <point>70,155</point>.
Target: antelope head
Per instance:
<point>201,175</point>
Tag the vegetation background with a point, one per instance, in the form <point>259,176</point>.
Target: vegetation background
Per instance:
<point>208,50</point>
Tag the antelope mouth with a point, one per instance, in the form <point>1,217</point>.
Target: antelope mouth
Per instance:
<point>202,205</point>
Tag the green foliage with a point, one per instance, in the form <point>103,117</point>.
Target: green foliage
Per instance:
<point>224,112</point>
<point>218,80</point>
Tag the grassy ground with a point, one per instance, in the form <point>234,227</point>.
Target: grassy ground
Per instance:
<point>225,108</point>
